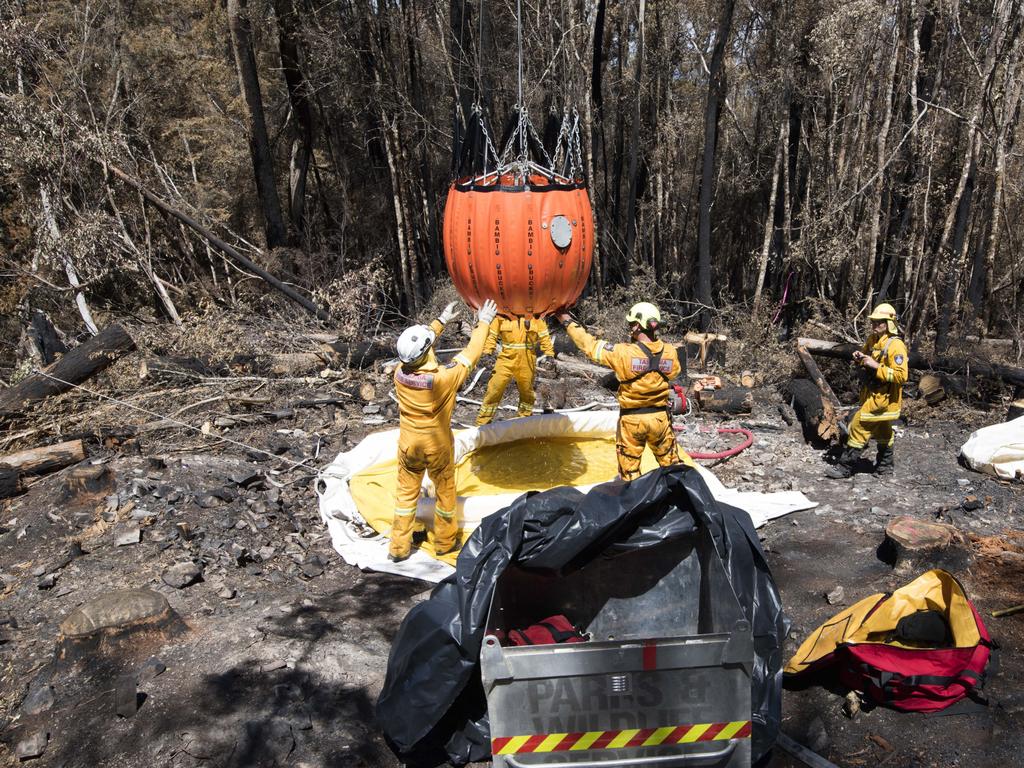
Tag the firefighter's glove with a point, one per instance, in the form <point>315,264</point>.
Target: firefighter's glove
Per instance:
<point>487,312</point>
<point>449,313</point>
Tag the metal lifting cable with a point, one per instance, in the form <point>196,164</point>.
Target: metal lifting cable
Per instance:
<point>519,35</point>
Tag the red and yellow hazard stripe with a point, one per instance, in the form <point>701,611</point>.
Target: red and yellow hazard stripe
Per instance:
<point>629,737</point>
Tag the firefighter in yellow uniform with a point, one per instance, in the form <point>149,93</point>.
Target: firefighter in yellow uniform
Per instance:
<point>884,359</point>
<point>426,394</point>
<point>517,360</point>
<point>645,369</point>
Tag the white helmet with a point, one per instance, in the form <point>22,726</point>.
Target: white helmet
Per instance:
<point>414,342</point>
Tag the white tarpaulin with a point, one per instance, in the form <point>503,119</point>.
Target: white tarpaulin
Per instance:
<point>997,450</point>
<point>360,545</point>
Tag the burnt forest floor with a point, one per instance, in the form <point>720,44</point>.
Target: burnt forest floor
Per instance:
<point>283,646</point>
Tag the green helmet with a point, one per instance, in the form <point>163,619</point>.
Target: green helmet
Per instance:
<point>644,314</point>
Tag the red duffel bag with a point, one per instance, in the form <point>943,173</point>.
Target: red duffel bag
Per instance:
<point>553,629</point>
<point>919,649</point>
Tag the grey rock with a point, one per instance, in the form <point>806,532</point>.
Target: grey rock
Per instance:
<point>267,552</point>
<point>223,493</point>
<point>226,593</point>
<point>128,536</point>
<point>182,575</point>
<point>116,609</point>
<point>371,408</point>
<point>247,477</point>
<point>126,696</point>
<point>877,511</point>
<point>963,482</point>
<point>39,700</point>
<point>238,553</point>
<point>49,581</point>
<point>32,746</point>
<point>817,737</point>
<point>274,665</point>
<point>836,596</point>
<point>313,567</point>
<point>152,668</point>
<point>206,500</point>
<point>163,491</point>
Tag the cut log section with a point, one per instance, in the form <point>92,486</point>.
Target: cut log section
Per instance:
<point>82,362</point>
<point>733,400</point>
<point>931,389</point>
<point>48,458</point>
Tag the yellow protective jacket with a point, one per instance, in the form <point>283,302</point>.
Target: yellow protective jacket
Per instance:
<point>426,395</point>
<point>882,392</point>
<point>639,387</point>
<point>517,339</point>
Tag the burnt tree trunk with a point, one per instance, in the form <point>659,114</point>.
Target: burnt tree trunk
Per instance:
<point>716,92</point>
<point>734,400</point>
<point>298,97</point>
<point>82,362</point>
<point>259,140</point>
<point>10,483</point>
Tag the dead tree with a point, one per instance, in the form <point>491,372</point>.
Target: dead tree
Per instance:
<point>716,93</point>
<point>259,140</point>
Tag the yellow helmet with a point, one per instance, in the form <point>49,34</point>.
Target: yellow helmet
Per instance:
<point>883,312</point>
<point>643,313</point>
<point>888,313</point>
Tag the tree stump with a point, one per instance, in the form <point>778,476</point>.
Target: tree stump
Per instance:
<point>922,543</point>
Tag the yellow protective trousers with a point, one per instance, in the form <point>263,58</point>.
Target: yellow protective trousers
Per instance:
<point>521,366</point>
<point>420,452</point>
<point>636,430</point>
<point>866,425</point>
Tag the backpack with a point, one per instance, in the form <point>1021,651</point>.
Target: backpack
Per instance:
<point>918,649</point>
<point>553,629</point>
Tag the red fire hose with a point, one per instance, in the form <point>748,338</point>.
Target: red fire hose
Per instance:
<point>749,441</point>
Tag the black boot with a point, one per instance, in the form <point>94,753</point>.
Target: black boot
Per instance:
<point>884,462</point>
<point>844,467</point>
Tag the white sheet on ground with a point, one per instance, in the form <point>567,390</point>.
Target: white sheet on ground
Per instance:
<point>360,545</point>
<point>997,450</point>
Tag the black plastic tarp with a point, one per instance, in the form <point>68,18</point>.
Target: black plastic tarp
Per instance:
<point>432,707</point>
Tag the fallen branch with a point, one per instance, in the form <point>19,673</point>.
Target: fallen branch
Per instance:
<point>217,243</point>
<point>828,424</point>
<point>45,459</point>
<point>967,366</point>
<point>81,363</point>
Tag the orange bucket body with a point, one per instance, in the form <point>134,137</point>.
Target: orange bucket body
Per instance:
<point>527,246</point>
